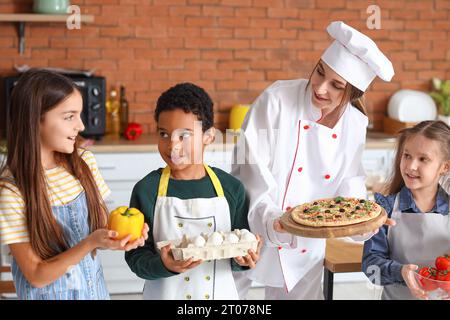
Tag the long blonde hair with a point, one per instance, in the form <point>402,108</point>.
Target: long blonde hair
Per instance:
<point>433,130</point>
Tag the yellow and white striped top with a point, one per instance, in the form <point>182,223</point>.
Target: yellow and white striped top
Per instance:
<point>62,189</point>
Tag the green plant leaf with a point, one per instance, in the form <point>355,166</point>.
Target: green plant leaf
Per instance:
<point>445,88</point>
<point>438,97</point>
<point>446,107</point>
<point>436,83</point>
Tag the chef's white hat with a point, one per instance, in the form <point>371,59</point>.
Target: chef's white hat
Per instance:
<point>355,57</point>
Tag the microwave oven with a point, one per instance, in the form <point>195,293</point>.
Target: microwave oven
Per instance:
<point>93,91</point>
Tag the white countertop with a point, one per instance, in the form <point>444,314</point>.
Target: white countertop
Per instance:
<point>149,143</point>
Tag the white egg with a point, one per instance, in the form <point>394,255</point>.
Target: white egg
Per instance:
<point>204,235</point>
<point>244,231</point>
<point>232,238</point>
<point>184,242</point>
<point>199,241</point>
<point>215,239</point>
<point>248,236</point>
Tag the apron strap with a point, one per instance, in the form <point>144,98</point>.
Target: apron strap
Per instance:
<point>165,176</point>
<point>164,182</point>
<point>215,181</point>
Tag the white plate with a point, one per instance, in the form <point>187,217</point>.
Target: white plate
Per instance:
<point>411,106</point>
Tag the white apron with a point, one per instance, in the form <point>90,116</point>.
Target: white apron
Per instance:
<point>175,217</point>
<point>415,239</point>
<point>296,160</point>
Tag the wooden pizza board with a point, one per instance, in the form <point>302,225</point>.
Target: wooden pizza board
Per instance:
<point>332,232</point>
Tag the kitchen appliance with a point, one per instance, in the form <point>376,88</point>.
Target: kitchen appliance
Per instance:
<point>237,116</point>
<point>93,91</point>
<point>411,106</point>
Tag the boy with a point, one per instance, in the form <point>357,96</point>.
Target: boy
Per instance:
<point>187,197</point>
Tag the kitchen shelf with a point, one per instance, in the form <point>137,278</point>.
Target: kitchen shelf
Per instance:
<point>21,18</point>
<point>37,17</point>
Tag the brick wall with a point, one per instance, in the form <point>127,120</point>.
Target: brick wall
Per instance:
<point>233,48</point>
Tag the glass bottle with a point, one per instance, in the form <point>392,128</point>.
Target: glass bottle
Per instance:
<point>112,113</point>
<point>123,111</point>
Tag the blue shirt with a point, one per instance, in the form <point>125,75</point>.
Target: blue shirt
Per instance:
<point>376,249</point>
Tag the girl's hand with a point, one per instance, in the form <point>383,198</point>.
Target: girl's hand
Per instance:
<point>408,276</point>
<point>252,257</point>
<point>104,239</point>
<point>390,222</point>
<point>176,266</point>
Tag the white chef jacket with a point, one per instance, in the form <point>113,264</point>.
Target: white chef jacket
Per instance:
<point>285,158</point>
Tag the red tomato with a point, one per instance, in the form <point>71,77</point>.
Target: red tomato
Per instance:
<point>428,274</point>
<point>443,262</point>
<point>444,276</point>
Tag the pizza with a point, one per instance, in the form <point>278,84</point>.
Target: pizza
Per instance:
<point>333,212</point>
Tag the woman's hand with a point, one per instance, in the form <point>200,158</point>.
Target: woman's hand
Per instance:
<point>408,275</point>
<point>368,235</point>
<point>104,239</point>
<point>278,227</point>
<point>252,257</point>
<point>174,265</point>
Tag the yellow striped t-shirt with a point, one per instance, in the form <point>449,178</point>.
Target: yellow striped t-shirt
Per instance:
<point>62,189</point>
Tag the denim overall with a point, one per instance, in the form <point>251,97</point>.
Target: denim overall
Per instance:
<point>83,281</point>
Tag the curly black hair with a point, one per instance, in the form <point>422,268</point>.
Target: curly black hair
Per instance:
<point>190,98</point>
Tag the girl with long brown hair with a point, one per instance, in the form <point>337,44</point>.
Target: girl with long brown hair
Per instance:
<point>52,213</point>
<point>420,207</point>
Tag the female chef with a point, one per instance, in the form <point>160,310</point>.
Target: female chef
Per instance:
<point>303,140</point>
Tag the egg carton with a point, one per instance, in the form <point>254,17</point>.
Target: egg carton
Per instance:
<point>223,251</point>
<point>211,252</point>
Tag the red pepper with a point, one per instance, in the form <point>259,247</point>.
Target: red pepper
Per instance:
<point>133,131</point>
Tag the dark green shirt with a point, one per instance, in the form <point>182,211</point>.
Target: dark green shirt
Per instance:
<point>146,261</point>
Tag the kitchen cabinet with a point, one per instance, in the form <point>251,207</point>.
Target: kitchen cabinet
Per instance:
<point>121,171</point>
<point>377,164</point>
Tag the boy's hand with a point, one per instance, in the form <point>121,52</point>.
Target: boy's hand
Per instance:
<point>138,242</point>
<point>176,266</point>
<point>252,257</point>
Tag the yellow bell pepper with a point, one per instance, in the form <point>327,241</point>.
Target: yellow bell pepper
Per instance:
<point>126,221</point>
